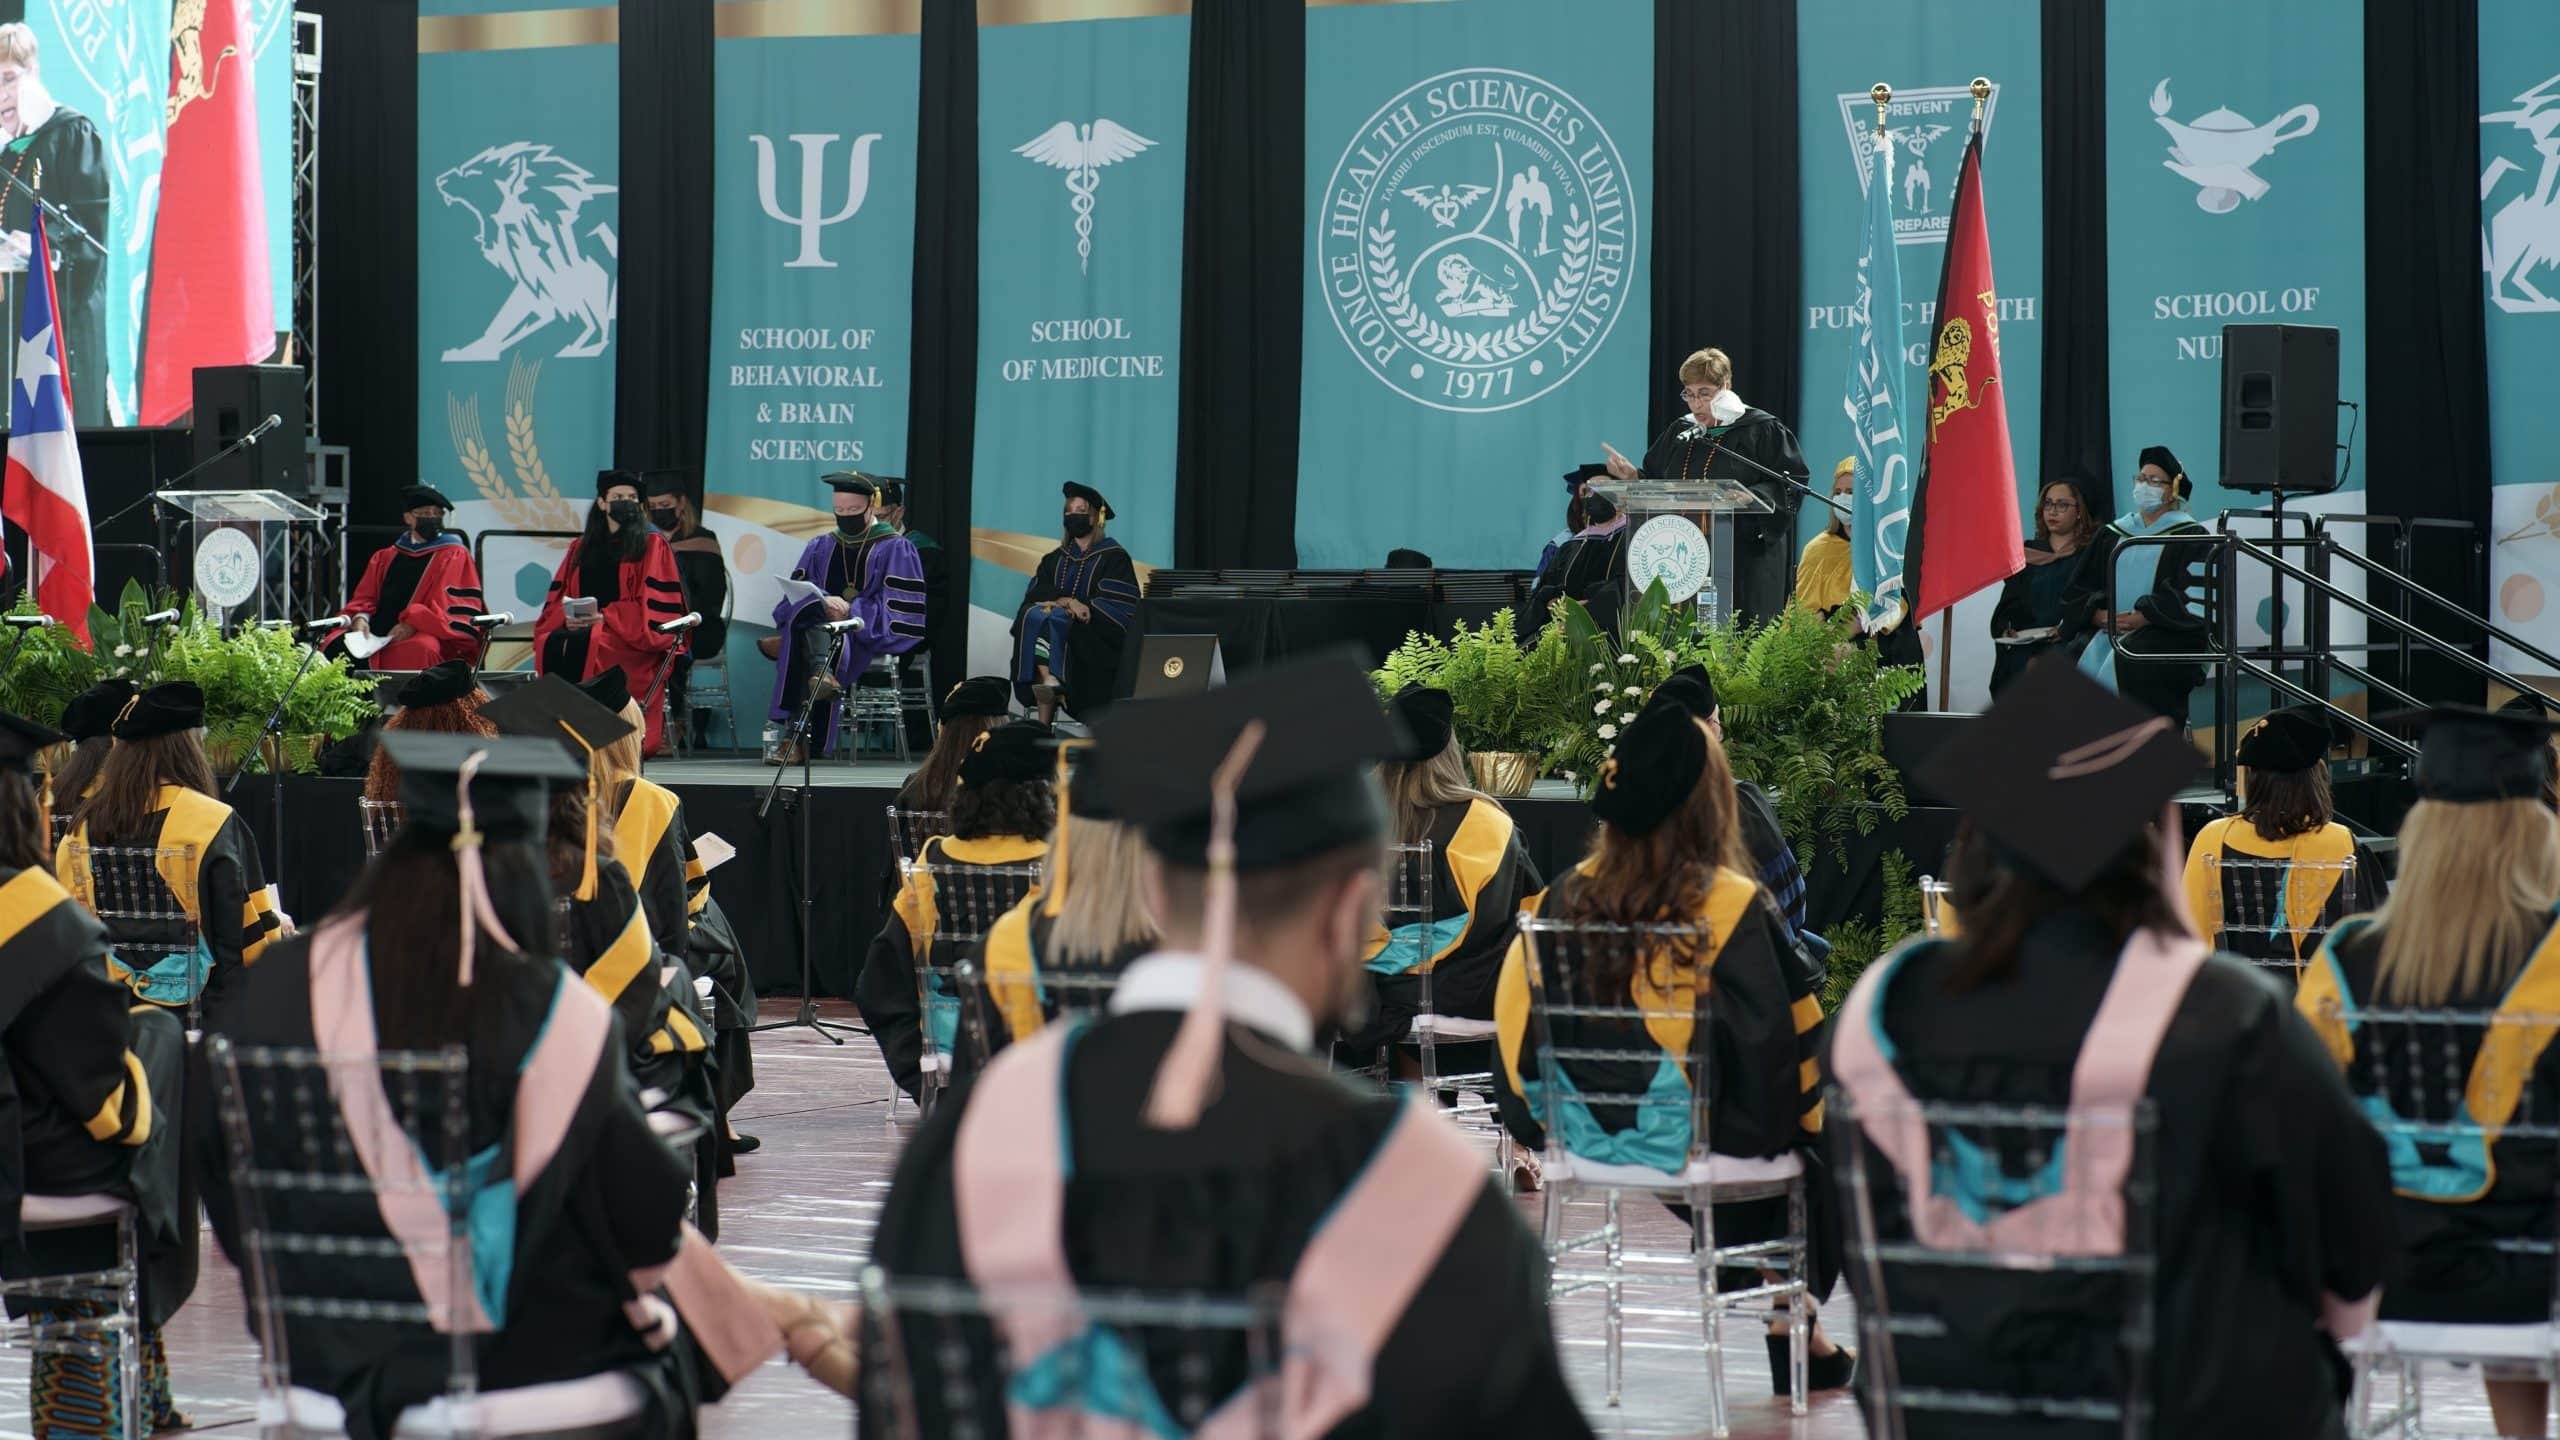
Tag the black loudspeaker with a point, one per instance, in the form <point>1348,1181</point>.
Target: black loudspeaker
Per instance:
<point>231,401</point>
<point>2280,408</point>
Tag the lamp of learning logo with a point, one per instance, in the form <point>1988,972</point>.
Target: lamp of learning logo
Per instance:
<point>1476,240</point>
<point>1926,122</point>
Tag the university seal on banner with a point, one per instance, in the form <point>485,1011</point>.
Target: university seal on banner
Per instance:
<point>1476,240</point>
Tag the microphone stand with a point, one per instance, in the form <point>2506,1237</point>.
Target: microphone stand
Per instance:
<point>808,1012</point>
<point>55,213</point>
<point>183,476</point>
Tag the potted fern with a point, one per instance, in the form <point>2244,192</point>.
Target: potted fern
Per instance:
<point>1511,704</point>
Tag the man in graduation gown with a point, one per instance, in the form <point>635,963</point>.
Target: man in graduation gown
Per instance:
<point>674,513</point>
<point>940,607</point>
<point>420,591</point>
<point>58,151</point>
<point>1590,567</point>
<point>1724,438</point>
<point>1075,614</point>
<point>1187,1143</point>
<point>862,570</point>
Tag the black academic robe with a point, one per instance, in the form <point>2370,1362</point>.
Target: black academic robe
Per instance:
<point>1480,874</point>
<point>235,920</point>
<point>887,990</point>
<point>2313,902</point>
<point>607,939</point>
<point>650,833</point>
<point>2451,1220</point>
<point>1104,577</point>
<point>66,161</point>
<point>2272,1191</point>
<point>705,578</point>
<point>1019,955</point>
<point>2173,611</point>
<point>89,1096</point>
<point>1764,544</point>
<point>1229,1205</point>
<point>1589,568</point>
<point>610,1200</point>
<point>2083,592</point>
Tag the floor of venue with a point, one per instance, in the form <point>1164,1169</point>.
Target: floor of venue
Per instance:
<point>801,1210</point>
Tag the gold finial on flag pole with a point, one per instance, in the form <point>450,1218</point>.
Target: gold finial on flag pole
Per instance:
<point>1981,93</point>
<point>1883,95</point>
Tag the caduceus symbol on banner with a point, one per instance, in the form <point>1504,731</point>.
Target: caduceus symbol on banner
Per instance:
<point>1082,153</point>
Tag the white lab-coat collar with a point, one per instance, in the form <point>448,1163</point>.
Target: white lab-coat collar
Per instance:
<point>35,105</point>
<point>1168,979</point>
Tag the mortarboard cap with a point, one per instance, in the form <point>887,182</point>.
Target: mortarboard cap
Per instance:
<point>2062,774</point>
<point>1428,715</point>
<point>2161,456</point>
<point>1016,753</point>
<point>92,713</point>
<point>1086,493</point>
<point>2468,756</point>
<point>1655,769</point>
<point>666,482</point>
<point>2295,738</point>
<point>440,685</point>
<point>1581,475</point>
<point>550,708</point>
<point>893,488</point>
<point>1690,688</point>
<point>419,497</point>
<point>510,792</point>
<point>164,709</point>
<point>979,695</point>
<point>607,479</point>
<point>21,738</point>
<point>1309,789</point>
<point>850,482</point>
<point>607,688</point>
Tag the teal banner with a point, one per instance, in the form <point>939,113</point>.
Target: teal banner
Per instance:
<point>1929,51</point>
<point>1080,169</point>
<point>1479,212</point>
<point>518,233</point>
<point>2520,255</point>
<point>271,21</point>
<point>2235,196</point>
<point>813,227</point>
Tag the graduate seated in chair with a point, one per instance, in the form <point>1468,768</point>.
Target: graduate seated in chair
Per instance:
<point>1764,841</point>
<point>2468,927</point>
<point>1667,854</point>
<point>95,1082</point>
<point>1187,1142</point>
<point>1088,917</point>
<point>89,720</point>
<point>2240,871</point>
<point>1480,874</point>
<point>443,700</point>
<point>2078,985</point>
<point>1000,819</point>
<point>156,791</point>
<point>598,1274</point>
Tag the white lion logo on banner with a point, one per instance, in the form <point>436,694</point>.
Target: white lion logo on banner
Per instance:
<point>2521,235</point>
<point>526,200</point>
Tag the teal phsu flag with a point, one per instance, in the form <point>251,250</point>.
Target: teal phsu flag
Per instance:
<point>519,238</point>
<point>1880,506</point>
<point>813,230</point>
<point>111,63</point>
<point>2520,258</point>
<point>1081,157</point>
<point>1479,204</point>
<point>271,21</point>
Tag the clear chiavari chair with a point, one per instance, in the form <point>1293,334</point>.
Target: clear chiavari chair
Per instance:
<point>967,901</point>
<point>909,829</point>
<point>2275,913</point>
<point>937,1363</point>
<point>150,933</point>
<point>1624,1114</point>
<point>1930,1365</point>
<point>382,820</point>
<point>1415,934</point>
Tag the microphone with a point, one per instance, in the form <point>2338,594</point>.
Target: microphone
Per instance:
<point>492,620</point>
<point>263,427</point>
<point>331,622</point>
<point>682,622</point>
<point>162,617</point>
<point>276,625</point>
<point>839,627</point>
<point>27,622</point>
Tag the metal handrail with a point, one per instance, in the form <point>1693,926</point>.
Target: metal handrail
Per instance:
<point>2493,631</point>
<point>2489,628</point>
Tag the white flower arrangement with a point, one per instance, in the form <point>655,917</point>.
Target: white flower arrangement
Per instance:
<point>1627,659</point>
<point>1606,732</point>
<point>122,651</point>
<point>1633,690</point>
<point>1600,709</point>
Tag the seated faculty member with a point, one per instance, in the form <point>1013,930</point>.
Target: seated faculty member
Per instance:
<point>2154,594</point>
<point>420,591</point>
<point>1188,1142</point>
<point>620,579</point>
<point>1075,614</point>
<point>862,570</point>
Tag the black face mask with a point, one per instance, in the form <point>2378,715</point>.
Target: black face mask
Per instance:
<point>853,525</point>
<point>624,512</point>
<point>428,528</point>
<point>663,517</point>
<point>1079,526</point>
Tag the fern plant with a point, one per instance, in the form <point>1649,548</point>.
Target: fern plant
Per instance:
<point>1503,697</point>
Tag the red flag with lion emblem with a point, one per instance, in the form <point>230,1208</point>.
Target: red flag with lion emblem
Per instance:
<point>1964,510</point>
<point>210,302</point>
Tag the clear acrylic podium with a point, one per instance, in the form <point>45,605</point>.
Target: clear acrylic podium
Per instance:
<point>1704,503</point>
<point>249,578</point>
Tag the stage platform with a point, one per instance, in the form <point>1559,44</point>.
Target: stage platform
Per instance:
<point>844,812</point>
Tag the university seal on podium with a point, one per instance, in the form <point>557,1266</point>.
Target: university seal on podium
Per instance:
<point>1476,240</point>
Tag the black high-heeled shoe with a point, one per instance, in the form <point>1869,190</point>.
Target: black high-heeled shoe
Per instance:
<point>1835,1371</point>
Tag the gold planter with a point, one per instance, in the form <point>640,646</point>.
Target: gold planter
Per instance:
<point>1503,773</point>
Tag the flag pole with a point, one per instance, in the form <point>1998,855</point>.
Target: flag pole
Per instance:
<point>1947,617</point>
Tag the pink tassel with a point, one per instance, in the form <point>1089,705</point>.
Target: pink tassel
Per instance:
<point>1190,1069</point>
<point>476,909</point>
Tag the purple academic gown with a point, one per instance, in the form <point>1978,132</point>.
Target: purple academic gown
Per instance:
<point>883,580</point>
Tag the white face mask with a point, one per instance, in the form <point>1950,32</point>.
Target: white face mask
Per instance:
<point>1726,408</point>
<point>2148,497</point>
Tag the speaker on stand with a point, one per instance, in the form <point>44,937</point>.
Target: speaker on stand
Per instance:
<point>2279,438</point>
<point>231,401</point>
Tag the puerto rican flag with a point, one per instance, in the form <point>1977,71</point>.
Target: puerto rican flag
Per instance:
<point>44,494</point>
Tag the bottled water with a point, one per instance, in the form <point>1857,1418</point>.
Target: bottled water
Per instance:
<point>1710,607</point>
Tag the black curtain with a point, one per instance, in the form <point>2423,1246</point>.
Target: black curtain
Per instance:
<point>662,355</point>
<point>1235,488</point>
<point>2076,416</point>
<point>942,403</point>
<point>1728,258</point>
<point>2426,342</point>
<point>368,344</point>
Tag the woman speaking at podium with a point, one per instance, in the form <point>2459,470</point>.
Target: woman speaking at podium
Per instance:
<point>1722,438</point>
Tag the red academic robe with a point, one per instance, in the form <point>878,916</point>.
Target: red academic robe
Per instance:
<point>440,609</point>
<point>652,594</point>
